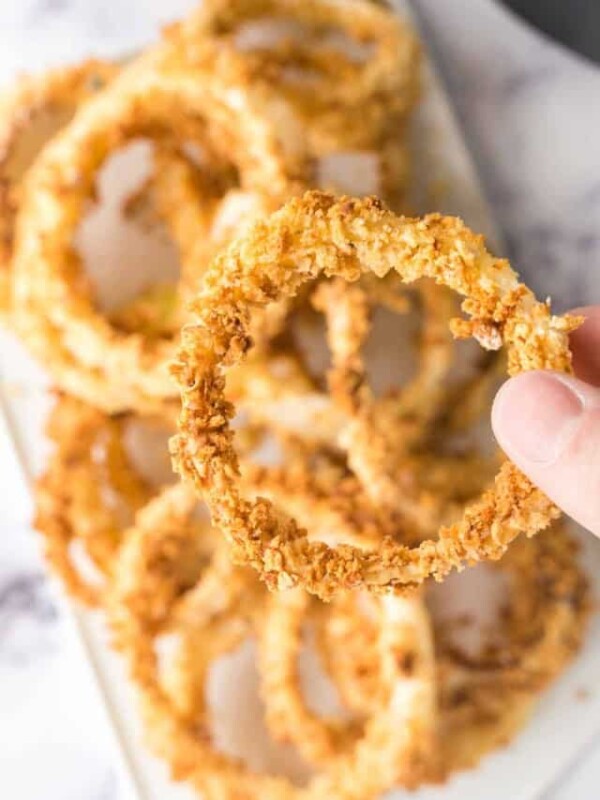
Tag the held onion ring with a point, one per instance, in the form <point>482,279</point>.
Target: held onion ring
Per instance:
<point>29,114</point>
<point>319,234</point>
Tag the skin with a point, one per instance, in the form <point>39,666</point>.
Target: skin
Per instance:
<point>549,425</point>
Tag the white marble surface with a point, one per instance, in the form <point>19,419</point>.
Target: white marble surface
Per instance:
<point>531,113</point>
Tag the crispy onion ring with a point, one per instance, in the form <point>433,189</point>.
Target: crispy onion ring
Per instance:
<point>326,88</point>
<point>155,590</point>
<point>147,324</point>
<point>484,699</point>
<point>289,718</point>
<point>88,494</point>
<point>165,92</point>
<point>30,113</point>
<point>319,234</point>
<point>91,490</point>
<point>347,310</point>
<point>173,577</point>
<point>381,434</point>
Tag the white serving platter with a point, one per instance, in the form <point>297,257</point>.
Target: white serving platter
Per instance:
<point>563,724</point>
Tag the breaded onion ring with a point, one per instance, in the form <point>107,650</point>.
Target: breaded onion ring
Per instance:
<point>380,432</point>
<point>88,495</point>
<point>168,92</point>
<point>327,86</point>
<point>319,234</point>
<point>155,579</point>
<point>289,718</point>
<point>30,113</point>
<point>328,496</point>
<point>484,699</point>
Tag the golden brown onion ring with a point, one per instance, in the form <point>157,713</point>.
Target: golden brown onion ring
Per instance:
<point>380,432</point>
<point>319,234</point>
<point>484,699</point>
<point>152,591</point>
<point>327,86</point>
<point>165,92</point>
<point>288,716</point>
<point>31,111</point>
<point>88,494</point>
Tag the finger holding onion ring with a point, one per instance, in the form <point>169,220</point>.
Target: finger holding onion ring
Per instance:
<point>344,237</point>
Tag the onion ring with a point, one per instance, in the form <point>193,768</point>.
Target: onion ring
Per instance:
<point>347,237</point>
<point>484,700</point>
<point>30,112</point>
<point>379,432</point>
<point>276,391</point>
<point>161,93</point>
<point>88,494</point>
<point>380,89</point>
<point>149,321</point>
<point>289,718</point>
<point>148,595</point>
<point>170,574</point>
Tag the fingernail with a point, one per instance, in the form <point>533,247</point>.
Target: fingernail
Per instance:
<point>536,415</point>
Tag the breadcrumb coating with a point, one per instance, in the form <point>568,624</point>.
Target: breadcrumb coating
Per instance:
<point>159,587</point>
<point>320,234</point>
<point>30,113</point>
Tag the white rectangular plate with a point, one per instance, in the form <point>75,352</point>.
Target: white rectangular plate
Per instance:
<point>563,723</point>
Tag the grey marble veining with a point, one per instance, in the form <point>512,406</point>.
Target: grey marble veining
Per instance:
<point>531,113</point>
<point>28,617</point>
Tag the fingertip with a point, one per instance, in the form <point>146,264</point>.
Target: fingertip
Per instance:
<point>533,416</point>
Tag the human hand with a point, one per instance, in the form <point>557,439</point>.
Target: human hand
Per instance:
<point>548,424</point>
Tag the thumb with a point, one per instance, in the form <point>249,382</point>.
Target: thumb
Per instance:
<point>548,424</point>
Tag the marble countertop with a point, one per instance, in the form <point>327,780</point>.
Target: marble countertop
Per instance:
<point>531,114</point>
